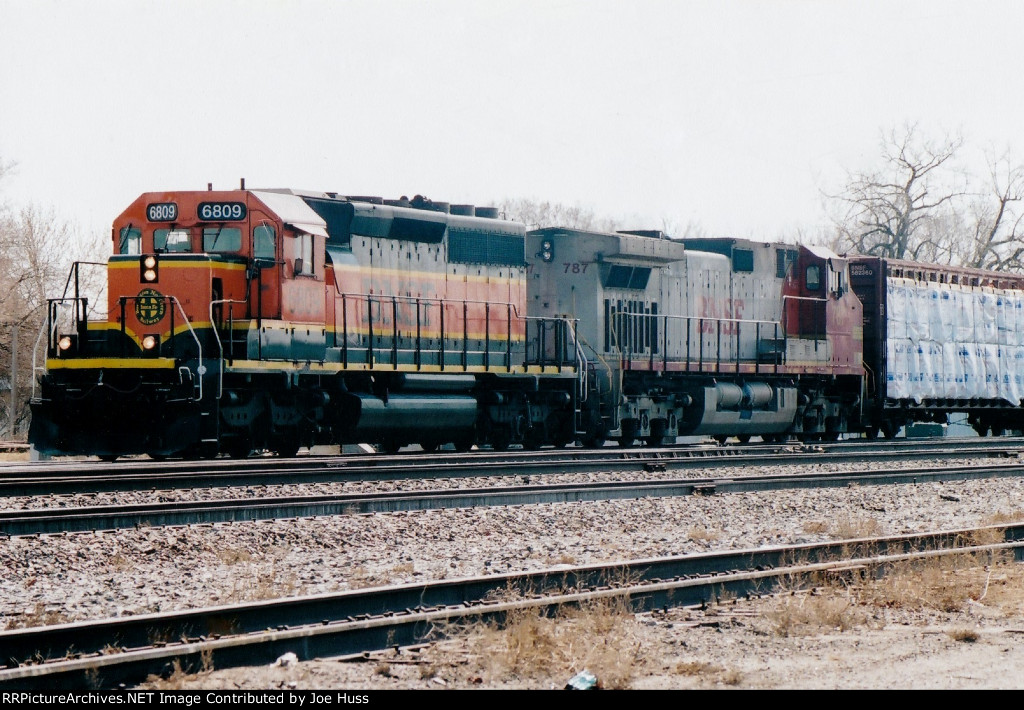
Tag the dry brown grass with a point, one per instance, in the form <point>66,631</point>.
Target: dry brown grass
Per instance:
<point>803,614</point>
<point>840,601</point>
<point>234,556</point>
<point>532,646</point>
<point>964,635</point>
<point>849,527</point>
<point>703,534</point>
<point>709,672</point>
<point>258,582</point>
<point>816,526</point>
<point>945,583</point>
<point>39,615</point>
<point>403,568</point>
<point>180,678</point>
<point>1000,517</point>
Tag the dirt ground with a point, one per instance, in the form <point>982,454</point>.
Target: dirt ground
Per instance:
<point>948,629</point>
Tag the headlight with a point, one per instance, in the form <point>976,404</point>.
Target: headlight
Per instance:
<point>150,342</point>
<point>65,342</point>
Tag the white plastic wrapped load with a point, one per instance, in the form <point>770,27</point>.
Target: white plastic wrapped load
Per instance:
<point>1009,385</point>
<point>935,371</point>
<point>989,354</point>
<point>1005,321</point>
<point>949,341</point>
<point>952,372</point>
<point>964,330</point>
<point>947,314</point>
<point>937,325</point>
<point>916,381</point>
<point>1017,324</point>
<point>1017,375</point>
<point>896,310</point>
<point>989,332</point>
<point>916,313</point>
<point>974,378</point>
<point>897,368</point>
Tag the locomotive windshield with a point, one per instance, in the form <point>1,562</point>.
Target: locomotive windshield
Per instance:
<point>130,241</point>
<point>222,239</point>
<point>172,240</point>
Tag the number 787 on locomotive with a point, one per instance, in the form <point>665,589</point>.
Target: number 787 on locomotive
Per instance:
<point>244,320</point>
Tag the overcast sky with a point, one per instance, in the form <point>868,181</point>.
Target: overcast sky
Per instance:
<point>732,114</point>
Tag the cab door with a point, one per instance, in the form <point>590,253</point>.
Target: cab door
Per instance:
<point>805,297</point>
<point>265,270</point>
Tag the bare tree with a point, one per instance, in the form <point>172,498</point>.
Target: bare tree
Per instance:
<point>904,209</point>
<point>993,221</point>
<point>37,249</point>
<point>536,214</point>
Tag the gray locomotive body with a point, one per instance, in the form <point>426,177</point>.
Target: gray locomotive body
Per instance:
<point>719,337</point>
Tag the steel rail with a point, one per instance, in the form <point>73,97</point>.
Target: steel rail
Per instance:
<point>123,650</point>
<point>25,481</point>
<point>80,519</point>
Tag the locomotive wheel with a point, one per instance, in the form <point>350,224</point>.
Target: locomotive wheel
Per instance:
<point>429,446</point>
<point>743,438</point>
<point>206,450</point>
<point>533,439</point>
<point>109,458</point>
<point>238,449</point>
<point>501,437</point>
<point>388,446</point>
<point>629,428</point>
<point>658,429</point>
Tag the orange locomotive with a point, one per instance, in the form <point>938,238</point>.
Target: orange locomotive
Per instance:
<point>272,319</point>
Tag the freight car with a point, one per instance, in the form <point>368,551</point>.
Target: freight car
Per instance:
<point>938,340</point>
<point>273,319</point>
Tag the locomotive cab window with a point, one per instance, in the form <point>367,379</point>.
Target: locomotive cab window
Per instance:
<point>263,242</point>
<point>304,261</point>
<point>222,239</point>
<point>785,260</point>
<point>813,277</point>
<point>130,241</point>
<point>172,240</point>
<point>743,260</point>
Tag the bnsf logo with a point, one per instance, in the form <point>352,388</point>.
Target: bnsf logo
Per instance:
<point>861,270</point>
<point>149,306</point>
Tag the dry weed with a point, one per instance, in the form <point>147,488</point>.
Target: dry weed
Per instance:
<point>816,526</point>
<point>403,568</point>
<point>38,616</point>
<point>1000,517</point>
<point>261,584</point>
<point>964,635</point>
<point>850,527</point>
<point>697,668</point>
<point>534,646</point>
<point>804,614</point>
<point>942,583</point>
<point>234,556</point>
<point>701,533</point>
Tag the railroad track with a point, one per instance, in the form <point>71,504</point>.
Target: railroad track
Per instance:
<point>92,477</point>
<point>87,519</point>
<point>109,652</point>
